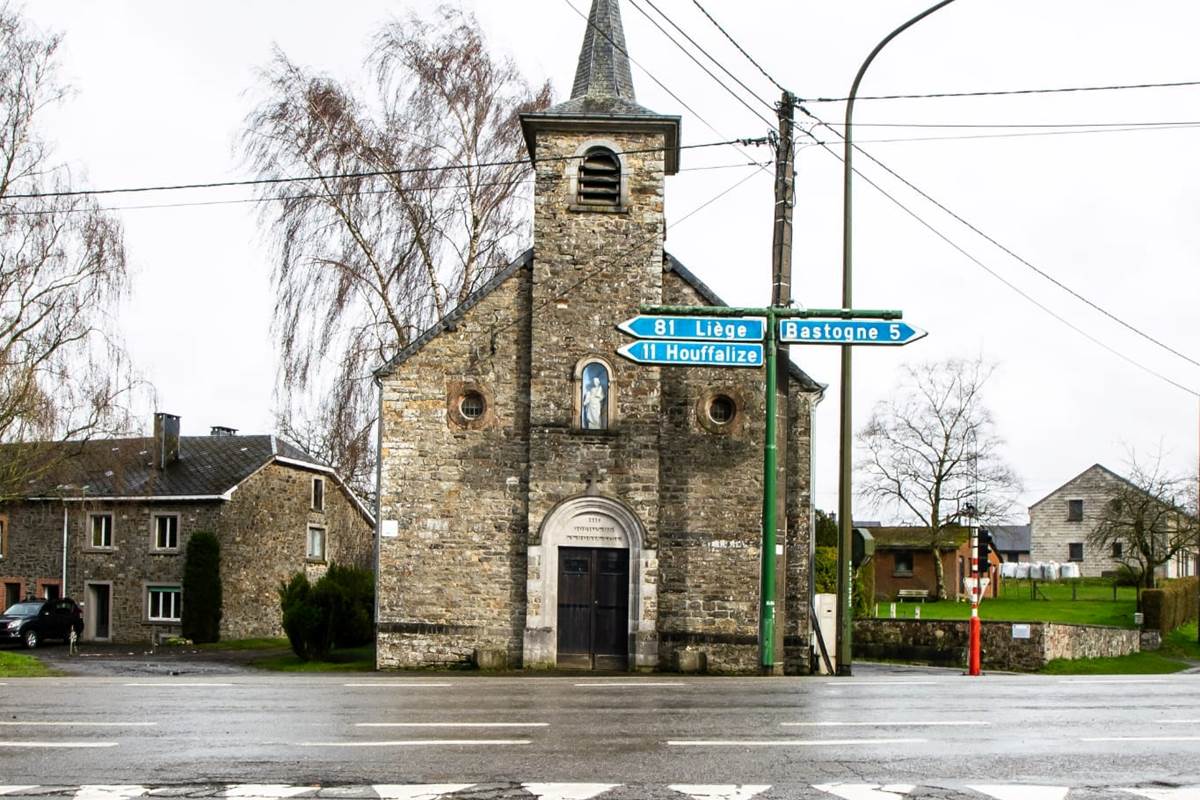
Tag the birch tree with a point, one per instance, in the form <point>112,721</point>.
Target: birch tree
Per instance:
<point>417,205</point>
<point>932,449</point>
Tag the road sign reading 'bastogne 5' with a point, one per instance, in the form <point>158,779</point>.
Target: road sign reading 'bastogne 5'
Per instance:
<point>846,331</point>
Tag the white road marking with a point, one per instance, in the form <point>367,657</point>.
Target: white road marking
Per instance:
<point>271,790</point>
<point>1019,792</point>
<point>14,789</point>
<point>567,791</point>
<point>786,742</point>
<point>1183,793</point>
<point>418,791</point>
<point>174,684</point>
<point>887,724</point>
<point>109,792</point>
<point>718,791</point>
<point>883,683</point>
<point>76,724</point>
<point>1141,739</point>
<point>865,791</point>
<point>63,745</point>
<point>1178,721</point>
<point>397,685</point>
<point>452,724</point>
<point>626,684</point>
<point>416,743</point>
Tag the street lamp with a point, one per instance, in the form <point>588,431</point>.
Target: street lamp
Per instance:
<point>845,510</point>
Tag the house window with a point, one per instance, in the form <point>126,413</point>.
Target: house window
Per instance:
<point>318,494</point>
<point>1075,551</point>
<point>102,530</point>
<point>599,179</point>
<point>902,561</point>
<point>164,603</point>
<point>722,409</point>
<point>166,531</point>
<point>1074,511</point>
<point>316,543</point>
<point>1118,549</point>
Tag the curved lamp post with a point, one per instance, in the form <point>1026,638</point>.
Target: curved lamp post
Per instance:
<point>845,511</point>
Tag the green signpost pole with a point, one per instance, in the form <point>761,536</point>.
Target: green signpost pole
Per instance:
<point>766,615</point>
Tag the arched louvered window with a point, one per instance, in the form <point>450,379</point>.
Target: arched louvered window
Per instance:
<point>600,178</point>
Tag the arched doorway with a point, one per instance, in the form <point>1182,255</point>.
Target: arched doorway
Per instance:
<point>590,577</point>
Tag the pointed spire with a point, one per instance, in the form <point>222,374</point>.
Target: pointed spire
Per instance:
<point>603,70</point>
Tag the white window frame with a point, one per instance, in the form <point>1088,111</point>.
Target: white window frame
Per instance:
<point>91,532</point>
<point>308,544</point>
<point>317,494</point>
<point>164,590</point>
<point>154,545</point>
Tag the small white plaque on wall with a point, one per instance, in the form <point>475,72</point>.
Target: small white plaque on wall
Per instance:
<point>391,528</point>
<point>1020,632</point>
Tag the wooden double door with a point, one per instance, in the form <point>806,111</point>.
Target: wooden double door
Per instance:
<point>593,608</point>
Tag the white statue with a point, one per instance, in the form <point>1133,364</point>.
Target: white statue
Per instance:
<point>593,404</point>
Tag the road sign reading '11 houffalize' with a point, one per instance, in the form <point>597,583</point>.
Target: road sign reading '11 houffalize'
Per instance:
<point>718,336</point>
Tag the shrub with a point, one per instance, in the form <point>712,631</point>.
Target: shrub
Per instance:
<point>1171,604</point>
<point>201,619</point>
<point>825,578</point>
<point>337,611</point>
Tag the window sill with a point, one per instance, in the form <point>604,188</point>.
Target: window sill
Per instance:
<point>902,574</point>
<point>314,561</point>
<point>99,549</point>
<point>162,622</point>
<point>598,209</point>
<point>165,551</point>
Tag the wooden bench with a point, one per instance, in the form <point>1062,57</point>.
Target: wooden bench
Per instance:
<point>913,594</point>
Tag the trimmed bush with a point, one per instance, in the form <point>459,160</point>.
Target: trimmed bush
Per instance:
<point>825,578</point>
<point>1171,604</point>
<point>202,599</point>
<point>337,611</point>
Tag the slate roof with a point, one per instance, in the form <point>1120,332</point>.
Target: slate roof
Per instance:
<point>208,466</point>
<point>670,264</point>
<point>1011,538</point>
<point>916,537</point>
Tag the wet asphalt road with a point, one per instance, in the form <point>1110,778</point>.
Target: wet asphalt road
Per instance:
<point>937,729</point>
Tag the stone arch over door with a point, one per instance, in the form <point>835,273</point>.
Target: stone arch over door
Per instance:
<point>590,521</point>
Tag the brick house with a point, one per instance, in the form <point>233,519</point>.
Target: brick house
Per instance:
<point>1062,521</point>
<point>108,524</point>
<point>543,502</point>
<point>904,560</point>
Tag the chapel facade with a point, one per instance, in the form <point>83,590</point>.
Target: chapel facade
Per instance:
<point>545,503</point>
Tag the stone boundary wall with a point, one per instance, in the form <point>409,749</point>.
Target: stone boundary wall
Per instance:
<point>944,642</point>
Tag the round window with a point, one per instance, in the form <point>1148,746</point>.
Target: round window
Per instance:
<point>472,405</point>
<point>721,409</point>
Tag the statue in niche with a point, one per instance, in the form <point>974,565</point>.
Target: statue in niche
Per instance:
<point>594,400</point>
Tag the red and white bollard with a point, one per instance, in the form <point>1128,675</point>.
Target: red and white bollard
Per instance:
<point>973,646</point>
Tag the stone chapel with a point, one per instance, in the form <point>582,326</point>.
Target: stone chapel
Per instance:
<point>545,503</point>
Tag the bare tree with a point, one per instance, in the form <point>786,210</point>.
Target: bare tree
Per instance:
<point>932,448</point>
<point>63,374</point>
<point>415,209</point>
<point>1148,519</point>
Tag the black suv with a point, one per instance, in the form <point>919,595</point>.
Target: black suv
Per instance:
<point>31,621</point>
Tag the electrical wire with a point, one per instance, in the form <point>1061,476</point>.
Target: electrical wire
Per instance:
<point>345,175</point>
<point>1171,123</point>
<point>740,49</point>
<point>1008,251</point>
<point>929,226</point>
<point>1002,93</point>
<point>1023,135</point>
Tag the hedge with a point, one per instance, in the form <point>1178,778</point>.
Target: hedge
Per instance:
<point>336,611</point>
<point>202,596</point>
<point>825,577</point>
<point>1171,604</point>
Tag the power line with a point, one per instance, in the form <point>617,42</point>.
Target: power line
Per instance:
<point>929,226</point>
<point>345,175</point>
<point>1171,123</point>
<point>1001,93</point>
<point>979,232</point>
<point>1023,135</point>
<point>740,49</point>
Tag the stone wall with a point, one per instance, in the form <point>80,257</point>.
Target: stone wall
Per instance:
<point>944,642</point>
<point>33,552</point>
<point>1051,532</point>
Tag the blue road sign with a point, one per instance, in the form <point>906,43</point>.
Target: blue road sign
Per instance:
<point>696,329</point>
<point>846,331</point>
<point>694,354</point>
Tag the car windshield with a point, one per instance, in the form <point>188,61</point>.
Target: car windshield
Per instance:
<point>23,610</point>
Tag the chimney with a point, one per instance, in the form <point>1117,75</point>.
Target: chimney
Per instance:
<point>221,430</point>
<point>166,439</point>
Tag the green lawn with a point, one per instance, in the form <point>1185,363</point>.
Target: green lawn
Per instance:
<point>247,644</point>
<point>353,659</point>
<point>1091,603</point>
<point>1179,651</point>
<point>22,665</point>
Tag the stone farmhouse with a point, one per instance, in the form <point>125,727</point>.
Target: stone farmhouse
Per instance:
<point>544,502</point>
<point>1062,521</point>
<point>108,522</point>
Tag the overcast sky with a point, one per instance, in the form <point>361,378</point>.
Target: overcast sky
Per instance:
<point>162,90</point>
